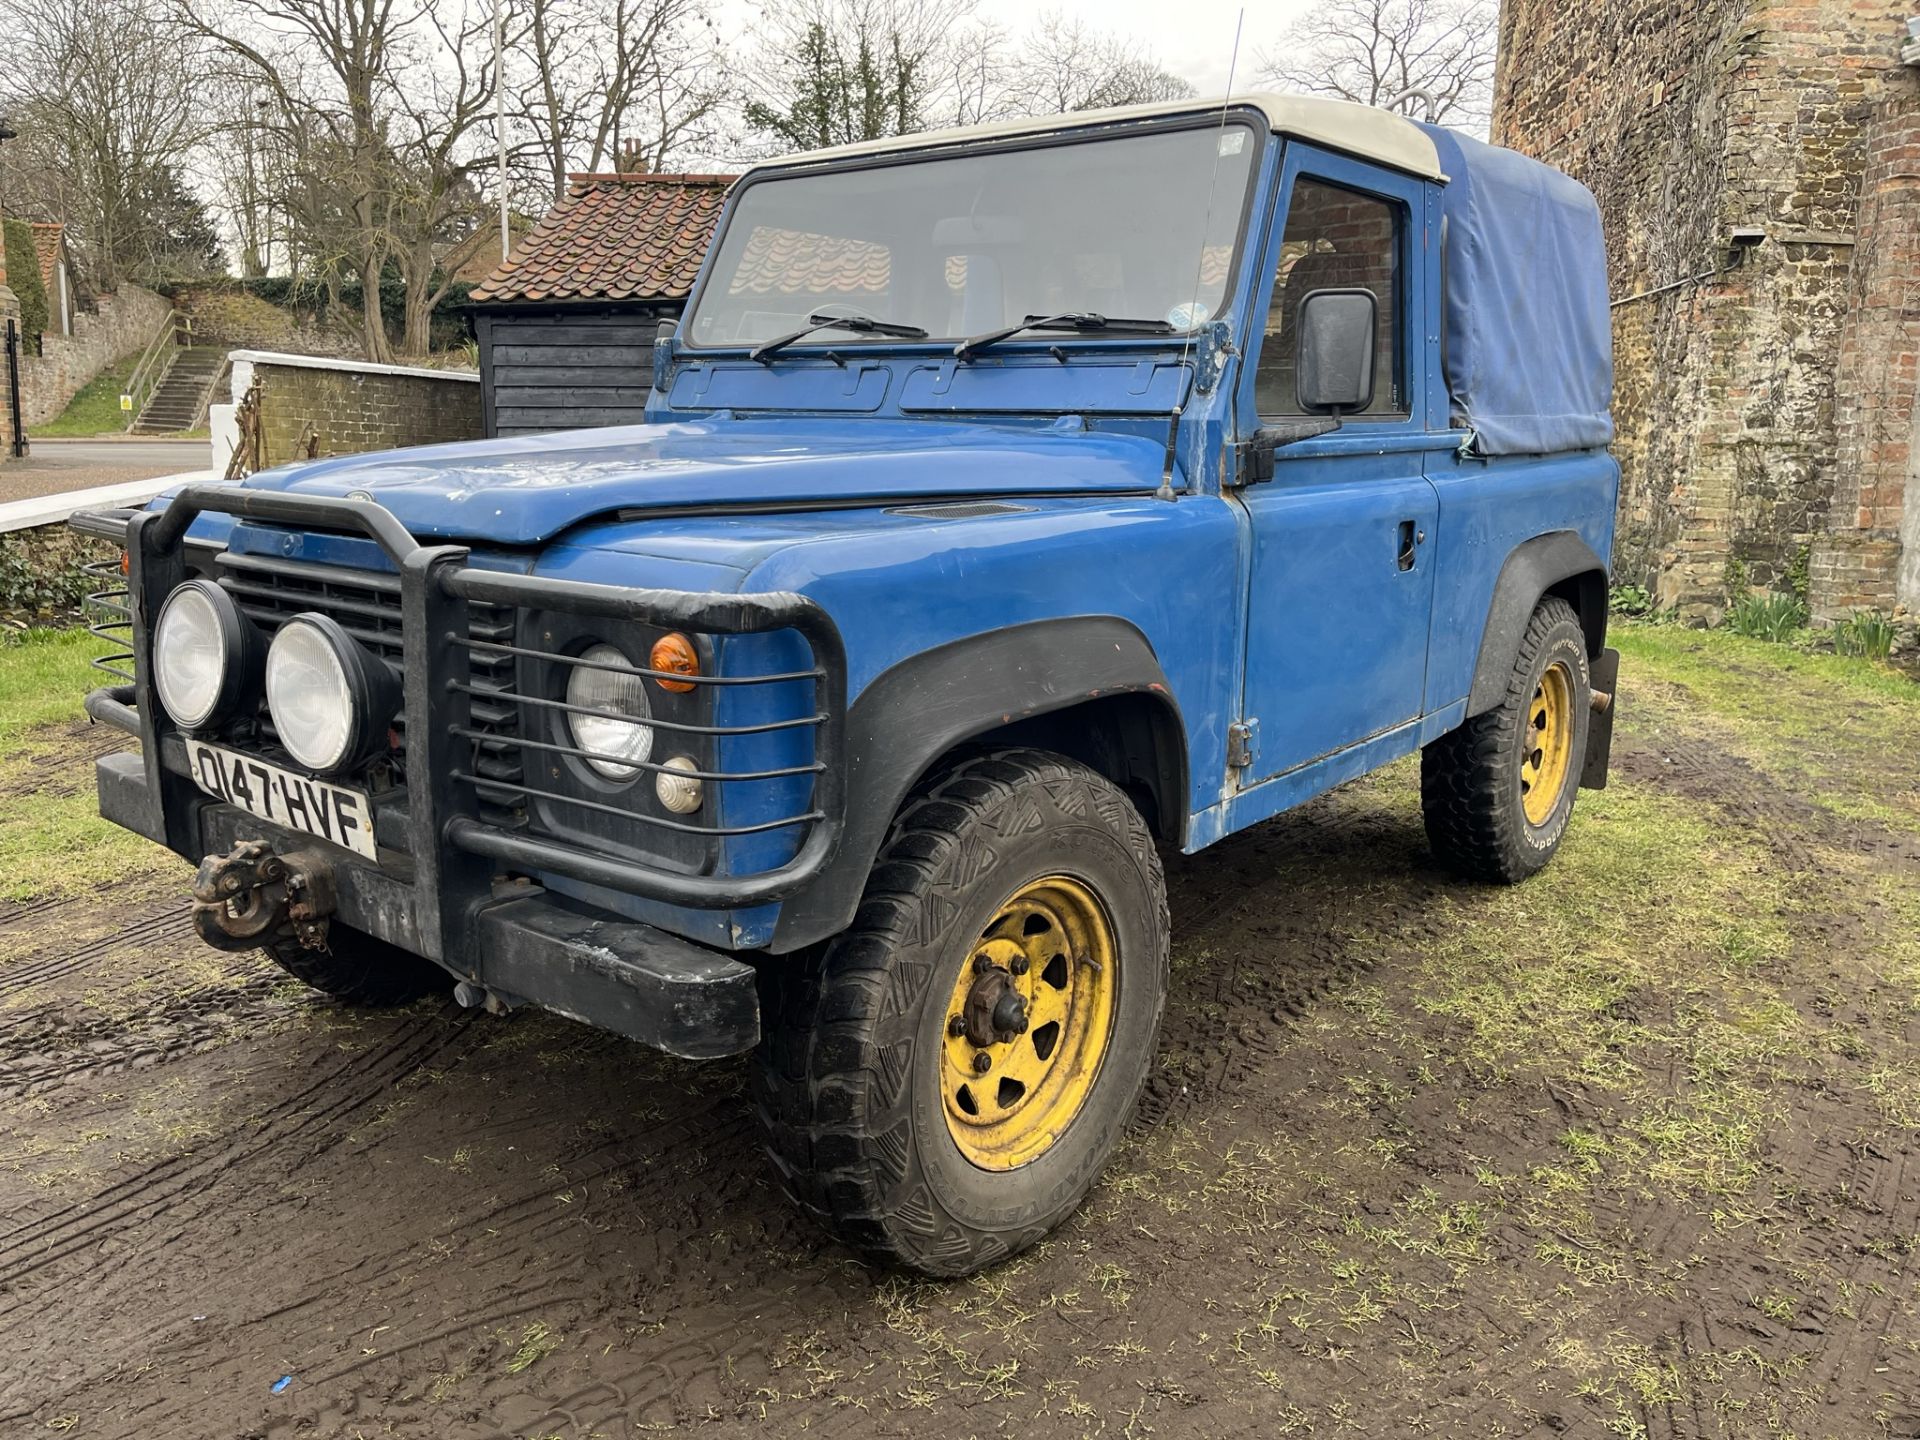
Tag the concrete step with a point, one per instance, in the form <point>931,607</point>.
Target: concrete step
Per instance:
<point>182,393</point>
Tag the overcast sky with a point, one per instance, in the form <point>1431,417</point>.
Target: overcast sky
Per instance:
<point>1193,38</point>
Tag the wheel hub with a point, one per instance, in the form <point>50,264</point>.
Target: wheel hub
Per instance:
<point>1029,1023</point>
<point>995,1010</point>
<point>1547,758</point>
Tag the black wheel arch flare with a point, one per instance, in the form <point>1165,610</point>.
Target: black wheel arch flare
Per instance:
<point>925,706</point>
<point>1557,563</point>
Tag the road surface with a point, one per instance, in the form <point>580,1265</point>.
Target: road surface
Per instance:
<point>56,466</point>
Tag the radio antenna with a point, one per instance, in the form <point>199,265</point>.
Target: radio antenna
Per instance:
<point>1200,264</point>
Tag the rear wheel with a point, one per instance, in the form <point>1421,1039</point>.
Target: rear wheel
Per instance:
<point>359,969</point>
<point>1497,792</point>
<point>941,1084</point>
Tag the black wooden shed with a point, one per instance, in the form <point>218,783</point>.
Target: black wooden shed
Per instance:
<point>566,323</point>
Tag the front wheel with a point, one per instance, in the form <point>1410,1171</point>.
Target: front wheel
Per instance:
<point>1498,791</point>
<point>942,1084</point>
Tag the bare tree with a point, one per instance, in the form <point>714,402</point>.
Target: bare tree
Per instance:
<point>1065,64</point>
<point>829,72</point>
<point>436,148</point>
<point>607,79</point>
<point>832,71</point>
<point>381,108</point>
<point>249,170</point>
<point>977,85</point>
<point>1432,59</point>
<point>104,95</point>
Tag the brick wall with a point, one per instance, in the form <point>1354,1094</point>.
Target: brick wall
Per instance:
<point>1688,120</point>
<point>309,406</point>
<point>1858,562</point>
<point>123,325</point>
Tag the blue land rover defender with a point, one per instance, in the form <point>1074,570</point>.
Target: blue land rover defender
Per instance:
<point>1013,502</point>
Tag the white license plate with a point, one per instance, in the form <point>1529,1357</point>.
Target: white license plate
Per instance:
<point>330,811</point>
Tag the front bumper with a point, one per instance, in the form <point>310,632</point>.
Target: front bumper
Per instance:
<point>453,883</point>
<point>628,978</point>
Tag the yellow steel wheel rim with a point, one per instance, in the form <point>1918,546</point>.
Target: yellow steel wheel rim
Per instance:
<point>1048,955</point>
<point>1549,740</point>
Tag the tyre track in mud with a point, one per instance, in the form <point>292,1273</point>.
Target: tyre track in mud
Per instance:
<point>1856,1197</point>
<point>147,1229</point>
<point>324,1100</point>
<point>512,1248</point>
<point>1263,954</point>
<point>43,1051</point>
<point>162,923</point>
<point>19,912</point>
<point>45,1047</point>
<point>1261,923</point>
<point>48,1040</point>
<point>521,1223</point>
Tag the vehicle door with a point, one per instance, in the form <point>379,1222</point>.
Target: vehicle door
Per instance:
<point>1343,535</point>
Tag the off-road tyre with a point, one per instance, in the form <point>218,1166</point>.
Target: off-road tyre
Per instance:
<point>360,970</point>
<point>848,1079</point>
<point>1470,778</point>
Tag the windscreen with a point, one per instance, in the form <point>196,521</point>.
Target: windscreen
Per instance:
<point>962,244</point>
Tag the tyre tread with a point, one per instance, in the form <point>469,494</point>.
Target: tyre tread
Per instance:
<point>1467,792</point>
<point>360,969</point>
<point>820,1084</point>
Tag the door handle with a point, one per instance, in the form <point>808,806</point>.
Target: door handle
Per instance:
<point>1409,538</point>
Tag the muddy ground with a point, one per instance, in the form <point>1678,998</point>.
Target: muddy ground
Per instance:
<point>1628,1150</point>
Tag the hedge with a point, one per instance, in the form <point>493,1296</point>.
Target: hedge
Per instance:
<point>42,579</point>
<point>304,295</point>
<point>23,278</point>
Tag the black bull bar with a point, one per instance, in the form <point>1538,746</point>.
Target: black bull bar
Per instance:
<point>455,854</point>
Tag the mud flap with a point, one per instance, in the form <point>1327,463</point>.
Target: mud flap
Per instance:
<point>1606,682</point>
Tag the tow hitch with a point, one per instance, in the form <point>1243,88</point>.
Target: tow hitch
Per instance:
<point>250,897</point>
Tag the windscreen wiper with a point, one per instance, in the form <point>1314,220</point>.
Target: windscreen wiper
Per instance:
<point>1081,320</point>
<point>859,324</point>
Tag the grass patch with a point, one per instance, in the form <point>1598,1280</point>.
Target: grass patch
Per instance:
<point>1643,967</point>
<point>43,676</point>
<point>55,845</point>
<point>537,1342</point>
<point>1830,725</point>
<point>52,840</point>
<point>95,410</point>
<point>1565,970</point>
<point>1744,672</point>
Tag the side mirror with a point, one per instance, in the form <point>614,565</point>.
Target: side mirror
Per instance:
<point>1334,371</point>
<point>663,352</point>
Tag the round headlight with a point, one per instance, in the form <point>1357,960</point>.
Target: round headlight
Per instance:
<point>205,653</point>
<point>331,700</point>
<point>619,746</point>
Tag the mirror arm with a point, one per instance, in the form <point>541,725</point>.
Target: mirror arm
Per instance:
<point>1256,453</point>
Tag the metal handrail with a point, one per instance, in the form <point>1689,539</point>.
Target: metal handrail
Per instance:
<point>148,371</point>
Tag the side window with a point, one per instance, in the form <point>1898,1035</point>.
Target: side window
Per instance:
<point>1335,239</point>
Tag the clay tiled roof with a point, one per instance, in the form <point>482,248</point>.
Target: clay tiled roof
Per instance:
<point>46,245</point>
<point>615,237</point>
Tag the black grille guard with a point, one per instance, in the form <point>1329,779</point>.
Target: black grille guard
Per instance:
<point>454,851</point>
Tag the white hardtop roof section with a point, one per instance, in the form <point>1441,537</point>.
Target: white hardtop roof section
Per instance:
<point>1361,130</point>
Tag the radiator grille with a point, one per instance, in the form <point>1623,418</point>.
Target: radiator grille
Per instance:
<point>366,604</point>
